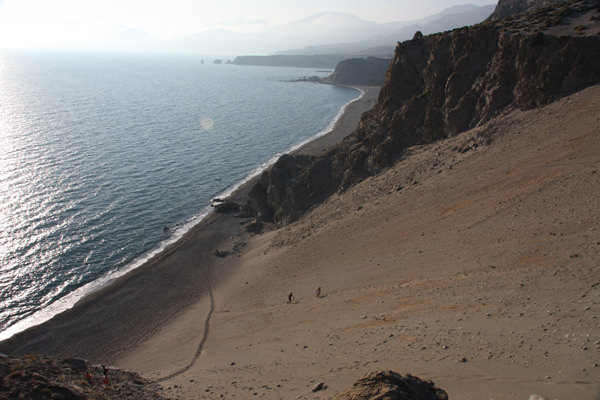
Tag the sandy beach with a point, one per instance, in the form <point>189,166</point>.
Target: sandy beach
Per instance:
<point>473,262</point>
<point>114,320</point>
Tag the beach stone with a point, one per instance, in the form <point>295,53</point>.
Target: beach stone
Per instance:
<point>318,387</point>
<point>535,396</point>
<point>390,385</point>
<point>220,253</point>
<point>254,227</point>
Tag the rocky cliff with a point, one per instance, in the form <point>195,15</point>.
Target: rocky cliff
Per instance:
<point>368,71</point>
<point>508,8</point>
<point>435,87</point>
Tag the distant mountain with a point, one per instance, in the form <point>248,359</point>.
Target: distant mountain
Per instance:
<point>319,29</point>
<point>328,27</point>
<point>326,33</point>
<point>215,41</point>
<point>381,42</point>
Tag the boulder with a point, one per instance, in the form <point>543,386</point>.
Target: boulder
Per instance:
<point>318,387</point>
<point>255,226</point>
<point>227,207</point>
<point>389,385</point>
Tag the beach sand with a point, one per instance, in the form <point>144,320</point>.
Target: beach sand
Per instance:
<point>473,262</point>
<point>115,319</point>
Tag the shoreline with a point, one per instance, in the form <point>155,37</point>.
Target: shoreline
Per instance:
<point>110,320</point>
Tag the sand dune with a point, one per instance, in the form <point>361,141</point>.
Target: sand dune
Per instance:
<point>473,262</point>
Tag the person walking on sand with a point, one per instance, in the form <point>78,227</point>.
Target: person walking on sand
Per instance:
<point>290,298</point>
<point>318,292</point>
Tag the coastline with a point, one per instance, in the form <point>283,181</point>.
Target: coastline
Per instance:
<point>113,319</point>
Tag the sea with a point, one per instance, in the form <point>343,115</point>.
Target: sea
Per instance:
<point>107,158</point>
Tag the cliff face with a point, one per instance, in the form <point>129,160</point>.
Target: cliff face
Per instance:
<point>448,83</point>
<point>435,87</point>
<point>508,8</point>
<point>368,71</point>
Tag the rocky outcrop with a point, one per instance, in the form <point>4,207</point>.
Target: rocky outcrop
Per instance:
<point>435,87</point>
<point>389,385</point>
<point>33,377</point>
<point>368,71</point>
<point>536,15</point>
<point>447,83</point>
<point>508,8</point>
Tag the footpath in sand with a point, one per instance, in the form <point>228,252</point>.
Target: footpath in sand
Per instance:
<point>474,262</point>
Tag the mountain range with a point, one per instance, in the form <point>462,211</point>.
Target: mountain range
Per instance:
<point>371,39</point>
<point>323,33</point>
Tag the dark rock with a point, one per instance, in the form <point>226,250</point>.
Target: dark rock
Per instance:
<point>368,71</point>
<point>226,207</point>
<point>389,385</point>
<point>76,363</point>
<point>508,8</point>
<point>254,227</point>
<point>318,387</point>
<point>313,79</point>
<point>220,253</point>
<point>33,377</point>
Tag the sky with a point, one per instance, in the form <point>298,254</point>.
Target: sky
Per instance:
<point>60,23</point>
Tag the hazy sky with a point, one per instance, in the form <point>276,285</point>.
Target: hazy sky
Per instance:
<point>50,23</point>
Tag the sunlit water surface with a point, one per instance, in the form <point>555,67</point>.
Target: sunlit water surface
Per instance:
<point>100,152</point>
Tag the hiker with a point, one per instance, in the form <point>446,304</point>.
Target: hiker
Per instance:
<point>290,297</point>
<point>105,371</point>
<point>319,291</point>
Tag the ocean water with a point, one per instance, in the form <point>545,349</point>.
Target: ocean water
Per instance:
<point>99,153</point>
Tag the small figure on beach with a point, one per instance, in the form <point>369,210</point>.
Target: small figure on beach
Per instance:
<point>88,376</point>
<point>105,371</point>
<point>290,298</point>
<point>318,292</point>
